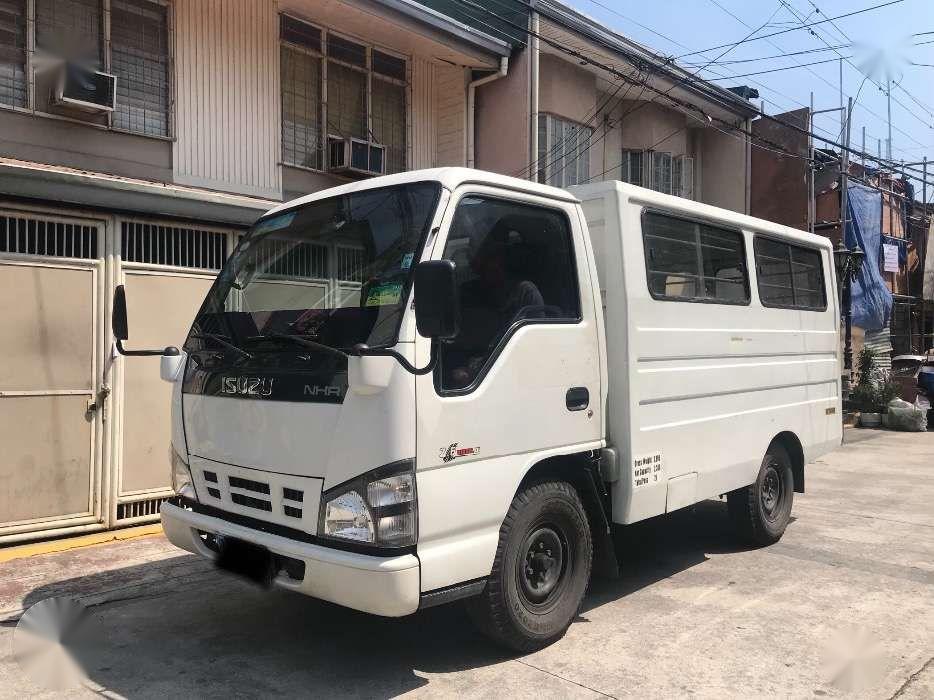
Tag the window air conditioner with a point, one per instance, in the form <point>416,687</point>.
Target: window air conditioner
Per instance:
<point>356,156</point>
<point>85,89</point>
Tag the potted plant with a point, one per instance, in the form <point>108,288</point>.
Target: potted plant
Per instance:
<point>873,391</point>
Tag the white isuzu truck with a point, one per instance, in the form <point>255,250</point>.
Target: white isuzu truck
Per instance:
<point>451,384</point>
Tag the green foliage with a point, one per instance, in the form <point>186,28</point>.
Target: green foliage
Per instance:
<point>866,365</point>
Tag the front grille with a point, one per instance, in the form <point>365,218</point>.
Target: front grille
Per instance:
<point>248,485</point>
<point>250,502</point>
<point>292,512</point>
<point>293,494</point>
<point>210,476</point>
<point>214,492</point>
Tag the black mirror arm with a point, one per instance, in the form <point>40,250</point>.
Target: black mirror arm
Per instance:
<point>168,352</point>
<point>363,350</point>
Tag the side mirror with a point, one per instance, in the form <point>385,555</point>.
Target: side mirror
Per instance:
<point>437,307</point>
<point>121,331</point>
<point>118,318</point>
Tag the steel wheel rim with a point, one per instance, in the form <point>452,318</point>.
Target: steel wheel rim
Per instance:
<point>772,492</point>
<point>541,567</point>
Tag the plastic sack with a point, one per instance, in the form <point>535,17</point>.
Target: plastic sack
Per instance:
<point>906,416</point>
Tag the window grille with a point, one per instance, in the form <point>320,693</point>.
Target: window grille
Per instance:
<point>301,108</point>
<point>28,235</point>
<point>13,52</point>
<point>71,29</point>
<point>632,167</point>
<point>789,276</point>
<point>366,95</point>
<point>178,246</point>
<point>659,171</point>
<point>564,152</point>
<point>140,60</point>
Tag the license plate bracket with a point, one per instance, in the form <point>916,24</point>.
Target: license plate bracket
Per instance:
<point>251,561</point>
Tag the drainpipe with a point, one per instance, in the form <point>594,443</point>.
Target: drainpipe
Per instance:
<point>533,107</point>
<point>471,104</point>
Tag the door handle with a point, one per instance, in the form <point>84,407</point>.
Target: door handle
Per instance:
<point>577,398</point>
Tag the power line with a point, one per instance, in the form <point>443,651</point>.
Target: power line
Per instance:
<point>778,70</point>
<point>803,26</point>
<point>887,164</point>
<point>780,55</point>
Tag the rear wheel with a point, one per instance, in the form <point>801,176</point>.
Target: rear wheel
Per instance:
<point>541,569</point>
<point>762,510</point>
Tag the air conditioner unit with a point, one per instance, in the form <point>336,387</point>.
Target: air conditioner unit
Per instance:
<point>356,156</point>
<point>85,89</point>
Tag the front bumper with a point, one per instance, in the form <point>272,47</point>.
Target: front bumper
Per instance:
<point>386,586</point>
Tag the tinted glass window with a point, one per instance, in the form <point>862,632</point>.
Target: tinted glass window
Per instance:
<point>515,264</point>
<point>692,261</point>
<point>789,275</point>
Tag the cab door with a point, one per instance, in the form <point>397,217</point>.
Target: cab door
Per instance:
<point>520,382</point>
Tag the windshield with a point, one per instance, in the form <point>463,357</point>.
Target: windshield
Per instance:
<point>333,273</point>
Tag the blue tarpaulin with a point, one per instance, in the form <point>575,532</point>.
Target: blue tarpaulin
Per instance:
<point>872,301</point>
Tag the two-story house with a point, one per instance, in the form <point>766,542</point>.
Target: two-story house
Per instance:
<point>138,138</point>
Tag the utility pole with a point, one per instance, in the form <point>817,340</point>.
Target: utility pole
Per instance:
<point>844,173</point>
<point>924,250</point>
<point>888,95</point>
<point>812,204</point>
<point>842,114</point>
<point>862,155</point>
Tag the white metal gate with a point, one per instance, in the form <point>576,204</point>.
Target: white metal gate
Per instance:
<point>167,269</point>
<point>52,301</point>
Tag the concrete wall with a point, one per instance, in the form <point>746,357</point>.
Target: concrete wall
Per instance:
<point>503,120</point>
<point>723,169</point>
<point>565,89</point>
<point>75,145</point>
<point>779,183</point>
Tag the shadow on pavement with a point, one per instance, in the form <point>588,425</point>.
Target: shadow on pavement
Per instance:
<point>215,636</point>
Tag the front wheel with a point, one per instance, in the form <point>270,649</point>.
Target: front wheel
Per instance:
<point>762,510</point>
<point>541,569</point>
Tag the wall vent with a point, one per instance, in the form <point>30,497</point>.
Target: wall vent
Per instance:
<point>140,509</point>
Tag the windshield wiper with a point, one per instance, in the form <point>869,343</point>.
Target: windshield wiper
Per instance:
<point>225,341</point>
<point>299,340</point>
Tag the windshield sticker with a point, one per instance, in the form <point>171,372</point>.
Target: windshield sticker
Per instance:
<point>274,224</point>
<point>407,260</point>
<point>386,294</point>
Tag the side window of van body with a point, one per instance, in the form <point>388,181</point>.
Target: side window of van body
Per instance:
<point>790,276</point>
<point>694,261</point>
<point>515,266</point>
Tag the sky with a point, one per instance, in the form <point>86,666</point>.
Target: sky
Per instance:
<point>877,42</point>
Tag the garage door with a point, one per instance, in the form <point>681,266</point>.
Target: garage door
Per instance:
<point>51,346</point>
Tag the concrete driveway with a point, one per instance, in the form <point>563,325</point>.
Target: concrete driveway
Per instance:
<point>843,605</point>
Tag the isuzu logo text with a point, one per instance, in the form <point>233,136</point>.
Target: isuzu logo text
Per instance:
<point>247,386</point>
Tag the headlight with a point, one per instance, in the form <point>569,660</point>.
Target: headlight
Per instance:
<point>379,508</point>
<point>181,476</point>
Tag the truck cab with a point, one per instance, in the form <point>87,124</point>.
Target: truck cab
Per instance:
<point>395,394</point>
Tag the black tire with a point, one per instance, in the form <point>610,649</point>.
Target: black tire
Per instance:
<point>762,510</point>
<point>541,569</point>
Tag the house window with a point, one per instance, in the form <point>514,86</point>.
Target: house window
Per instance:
<point>632,167</point>
<point>336,88</point>
<point>74,30</point>
<point>659,171</point>
<point>563,151</point>
<point>694,261</point>
<point>139,57</point>
<point>13,53</point>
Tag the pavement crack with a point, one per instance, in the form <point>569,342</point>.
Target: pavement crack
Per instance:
<point>566,680</point>
<point>911,679</point>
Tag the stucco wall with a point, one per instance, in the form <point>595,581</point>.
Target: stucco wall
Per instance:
<point>502,120</point>
<point>723,169</point>
<point>565,89</point>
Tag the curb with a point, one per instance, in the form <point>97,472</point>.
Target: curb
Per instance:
<point>50,547</point>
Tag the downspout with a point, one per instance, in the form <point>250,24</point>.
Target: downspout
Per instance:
<point>533,106</point>
<point>748,157</point>
<point>471,104</point>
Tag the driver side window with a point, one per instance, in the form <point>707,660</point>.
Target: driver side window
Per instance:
<point>515,265</point>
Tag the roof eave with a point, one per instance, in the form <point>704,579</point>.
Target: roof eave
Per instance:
<point>447,25</point>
